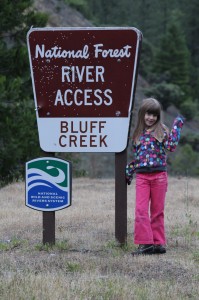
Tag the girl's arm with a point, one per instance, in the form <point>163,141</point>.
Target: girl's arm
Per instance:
<point>129,172</point>
<point>172,139</point>
<point>130,168</point>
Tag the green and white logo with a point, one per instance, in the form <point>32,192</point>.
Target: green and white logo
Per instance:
<point>48,184</point>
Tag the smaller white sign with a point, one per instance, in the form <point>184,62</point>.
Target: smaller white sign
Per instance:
<point>48,184</point>
<point>84,135</point>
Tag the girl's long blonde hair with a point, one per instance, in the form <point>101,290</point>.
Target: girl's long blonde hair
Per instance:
<point>153,106</point>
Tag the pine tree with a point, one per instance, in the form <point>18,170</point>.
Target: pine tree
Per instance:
<point>173,57</point>
<point>18,134</point>
<point>191,27</point>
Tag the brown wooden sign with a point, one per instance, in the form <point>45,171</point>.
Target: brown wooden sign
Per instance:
<point>83,82</point>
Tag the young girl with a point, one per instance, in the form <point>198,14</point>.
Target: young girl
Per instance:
<point>150,140</point>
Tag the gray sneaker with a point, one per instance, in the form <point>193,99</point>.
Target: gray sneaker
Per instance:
<point>159,249</point>
<point>144,250</point>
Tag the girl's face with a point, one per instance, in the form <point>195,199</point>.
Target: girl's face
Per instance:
<point>150,119</point>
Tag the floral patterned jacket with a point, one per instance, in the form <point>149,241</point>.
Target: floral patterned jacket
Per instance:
<point>151,153</point>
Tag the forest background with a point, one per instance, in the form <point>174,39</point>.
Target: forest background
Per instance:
<point>169,63</point>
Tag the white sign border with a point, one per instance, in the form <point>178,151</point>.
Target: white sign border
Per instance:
<point>139,38</point>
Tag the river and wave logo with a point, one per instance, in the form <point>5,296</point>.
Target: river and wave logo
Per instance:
<point>48,184</point>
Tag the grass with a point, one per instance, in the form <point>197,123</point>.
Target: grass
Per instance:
<point>86,261</point>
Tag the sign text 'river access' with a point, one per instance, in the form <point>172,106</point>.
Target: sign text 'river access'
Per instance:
<point>83,73</point>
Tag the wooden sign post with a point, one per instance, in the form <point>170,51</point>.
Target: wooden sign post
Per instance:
<point>120,197</point>
<point>48,189</point>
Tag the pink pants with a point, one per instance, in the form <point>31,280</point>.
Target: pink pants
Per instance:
<point>149,211</point>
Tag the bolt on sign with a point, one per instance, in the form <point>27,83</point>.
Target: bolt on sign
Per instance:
<point>83,82</point>
<point>48,184</point>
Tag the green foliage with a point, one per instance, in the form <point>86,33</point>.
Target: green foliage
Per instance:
<point>147,56</point>
<point>186,162</point>
<point>72,267</point>
<point>103,12</point>
<point>191,29</point>
<point>189,109</point>
<point>60,246</point>
<point>173,56</point>
<point>81,6</point>
<point>10,244</point>
<point>192,139</point>
<point>169,46</point>
<point>18,134</point>
<point>118,249</point>
<point>196,256</point>
<point>17,17</point>
<point>166,93</point>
